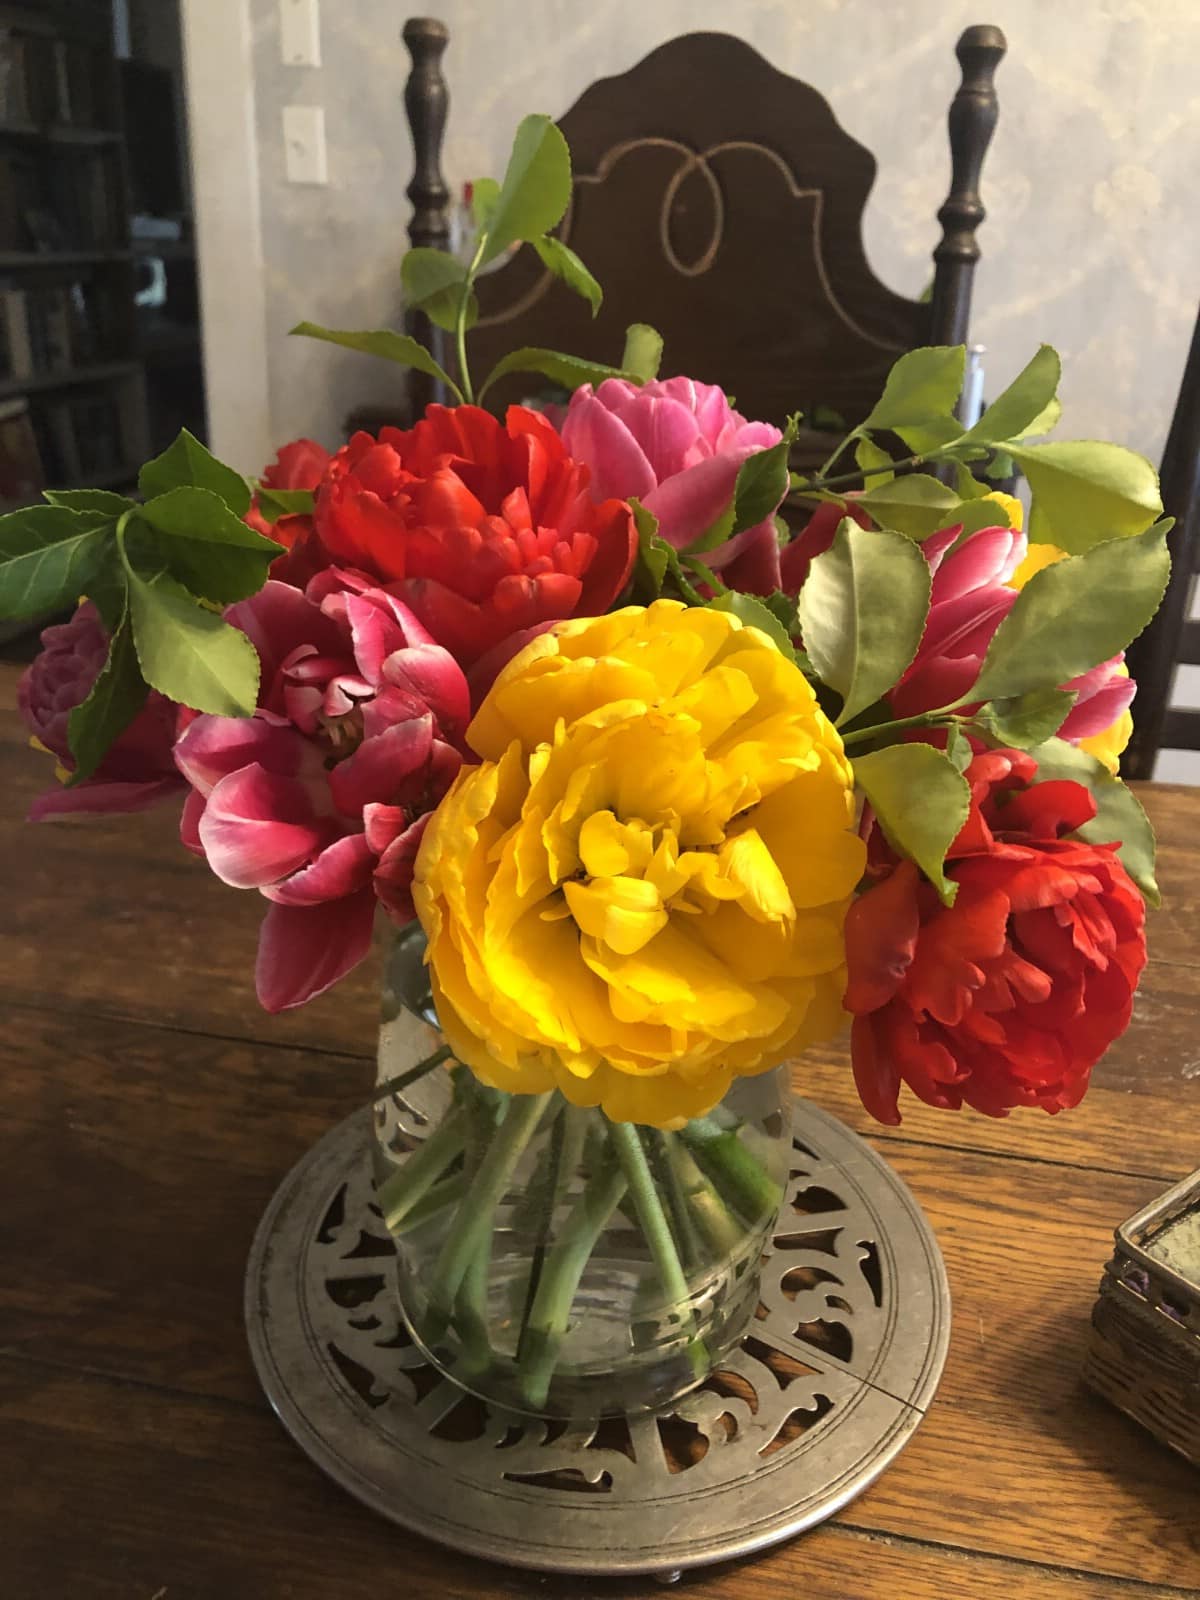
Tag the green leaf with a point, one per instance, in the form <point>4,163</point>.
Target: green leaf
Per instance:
<point>761,483</point>
<point>569,371</point>
<point>643,352</point>
<point>1024,403</point>
<point>1119,815</point>
<point>958,747</point>
<point>562,261</point>
<point>862,612</point>
<point>752,613</point>
<point>276,503</point>
<point>187,463</point>
<point>48,557</point>
<point>784,609</point>
<point>435,281</point>
<point>916,505</point>
<point>116,697</point>
<point>921,389</point>
<point>385,343</point>
<point>874,463</point>
<point>484,194</point>
<point>1085,492</point>
<point>208,549</point>
<point>654,553</point>
<point>187,653</point>
<point>536,188</point>
<point>1077,613</point>
<point>921,801</point>
<point>102,501</point>
<point>998,466</point>
<point>1025,721</point>
<point>967,485</point>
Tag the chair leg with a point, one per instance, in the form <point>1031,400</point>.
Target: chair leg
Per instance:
<point>426,100</point>
<point>1153,655</point>
<point>972,120</point>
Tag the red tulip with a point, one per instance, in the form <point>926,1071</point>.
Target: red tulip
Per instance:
<point>481,529</point>
<point>1011,995</point>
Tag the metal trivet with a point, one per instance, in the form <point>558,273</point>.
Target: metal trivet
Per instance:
<point>826,1387</point>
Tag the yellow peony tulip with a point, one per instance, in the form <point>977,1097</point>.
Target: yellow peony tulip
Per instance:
<point>640,891</point>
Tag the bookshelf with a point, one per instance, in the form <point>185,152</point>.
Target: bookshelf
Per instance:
<point>72,371</point>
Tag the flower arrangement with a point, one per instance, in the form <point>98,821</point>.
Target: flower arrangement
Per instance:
<point>677,757</point>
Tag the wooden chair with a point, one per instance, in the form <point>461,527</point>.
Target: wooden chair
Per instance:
<point>718,199</point>
<point>1171,640</point>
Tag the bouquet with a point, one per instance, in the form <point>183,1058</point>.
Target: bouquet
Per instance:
<point>674,759</point>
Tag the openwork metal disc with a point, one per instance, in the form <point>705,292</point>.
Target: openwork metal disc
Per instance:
<point>825,1388</point>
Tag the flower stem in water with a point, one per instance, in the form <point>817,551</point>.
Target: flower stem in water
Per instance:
<point>399,1193</point>
<point>738,1175</point>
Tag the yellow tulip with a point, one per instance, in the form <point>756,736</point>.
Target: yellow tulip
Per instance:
<point>640,891</point>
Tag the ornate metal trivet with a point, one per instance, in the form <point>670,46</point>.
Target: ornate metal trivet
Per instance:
<point>826,1387</point>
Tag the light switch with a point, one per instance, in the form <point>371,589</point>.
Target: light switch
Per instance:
<point>300,33</point>
<point>304,143</point>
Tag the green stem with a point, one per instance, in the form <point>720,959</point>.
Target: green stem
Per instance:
<point>399,1193</point>
<point>394,1085</point>
<point>446,1192</point>
<point>472,1227</point>
<point>470,1314</point>
<point>710,1211</point>
<point>738,1175</point>
<point>628,1145</point>
<point>813,485</point>
<point>683,1226</point>
<point>706,574</point>
<point>460,320</point>
<point>551,1310</point>
<point>927,719</point>
<point>829,461</point>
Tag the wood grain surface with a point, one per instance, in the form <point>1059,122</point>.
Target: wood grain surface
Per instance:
<point>149,1110</point>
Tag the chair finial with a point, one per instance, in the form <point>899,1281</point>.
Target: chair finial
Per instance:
<point>426,100</point>
<point>972,120</point>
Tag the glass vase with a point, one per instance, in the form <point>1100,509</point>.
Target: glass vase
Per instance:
<point>552,1261</point>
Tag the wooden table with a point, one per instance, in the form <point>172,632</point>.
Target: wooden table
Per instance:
<point>149,1110</point>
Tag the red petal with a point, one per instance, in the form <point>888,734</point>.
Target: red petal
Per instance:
<point>881,940</point>
<point>303,950</point>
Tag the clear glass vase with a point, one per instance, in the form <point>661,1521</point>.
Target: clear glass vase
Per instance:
<point>552,1261</point>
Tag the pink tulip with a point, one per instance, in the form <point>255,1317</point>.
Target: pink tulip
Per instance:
<point>971,596</point>
<point>138,770</point>
<point>319,800</point>
<point>676,445</point>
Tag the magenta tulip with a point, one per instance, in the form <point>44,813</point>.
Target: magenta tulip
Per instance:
<point>320,799</point>
<point>138,769</point>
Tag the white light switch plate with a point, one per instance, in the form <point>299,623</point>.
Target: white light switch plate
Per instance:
<point>304,144</point>
<point>300,33</point>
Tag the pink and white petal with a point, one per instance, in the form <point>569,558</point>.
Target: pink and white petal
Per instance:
<point>212,747</point>
<point>342,868</point>
<point>986,558</point>
<point>258,827</point>
<point>189,822</point>
<point>388,708</point>
<point>383,824</point>
<point>375,634</point>
<point>432,674</point>
<point>1100,710</point>
<point>276,620</point>
<point>394,874</point>
<point>304,950</point>
<point>380,767</point>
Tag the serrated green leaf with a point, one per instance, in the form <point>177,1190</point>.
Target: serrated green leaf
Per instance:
<point>761,483</point>
<point>643,352</point>
<point>562,261</point>
<point>1085,492</point>
<point>654,554</point>
<point>186,463</point>
<point>958,747</point>
<point>966,485</point>
<point>276,503</point>
<point>434,281</point>
<point>1075,614</point>
<point>384,343</point>
<point>569,371</point>
<point>48,557</point>
<point>916,505</point>
<point>536,189</point>
<point>202,544</point>
<point>922,389</point>
<point>102,501</point>
<point>1119,814</point>
<point>1023,404</point>
<point>187,652</point>
<point>116,697</point>
<point>752,613</point>
<point>874,463</point>
<point>999,466</point>
<point>921,801</point>
<point>1028,720</point>
<point>862,612</point>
